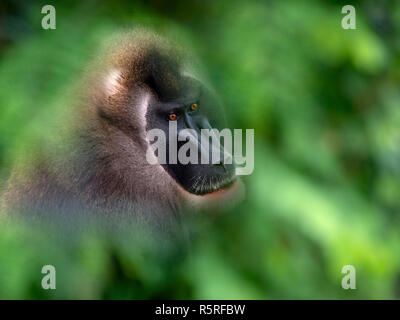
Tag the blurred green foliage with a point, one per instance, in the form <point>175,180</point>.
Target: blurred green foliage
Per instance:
<point>325,192</point>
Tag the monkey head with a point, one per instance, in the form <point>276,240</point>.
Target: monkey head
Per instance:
<point>146,88</point>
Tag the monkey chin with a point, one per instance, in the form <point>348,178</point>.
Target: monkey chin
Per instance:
<point>223,199</point>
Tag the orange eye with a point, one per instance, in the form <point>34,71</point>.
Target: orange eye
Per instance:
<point>172,116</point>
<point>193,107</point>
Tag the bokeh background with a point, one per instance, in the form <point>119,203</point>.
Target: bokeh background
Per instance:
<point>325,192</point>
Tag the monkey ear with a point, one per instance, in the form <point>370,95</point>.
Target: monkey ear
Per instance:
<point>113,82</point>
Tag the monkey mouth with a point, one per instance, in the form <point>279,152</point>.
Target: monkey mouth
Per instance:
<point>228,196</point>
<point>207,185</point>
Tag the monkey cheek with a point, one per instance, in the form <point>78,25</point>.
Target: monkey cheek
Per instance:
<point>216,201</point>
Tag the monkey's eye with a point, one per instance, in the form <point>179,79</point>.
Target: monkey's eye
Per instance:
<point>194,107</point>
<point>172,116</point>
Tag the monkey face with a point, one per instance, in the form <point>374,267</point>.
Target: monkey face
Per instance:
<point>188,122</point>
